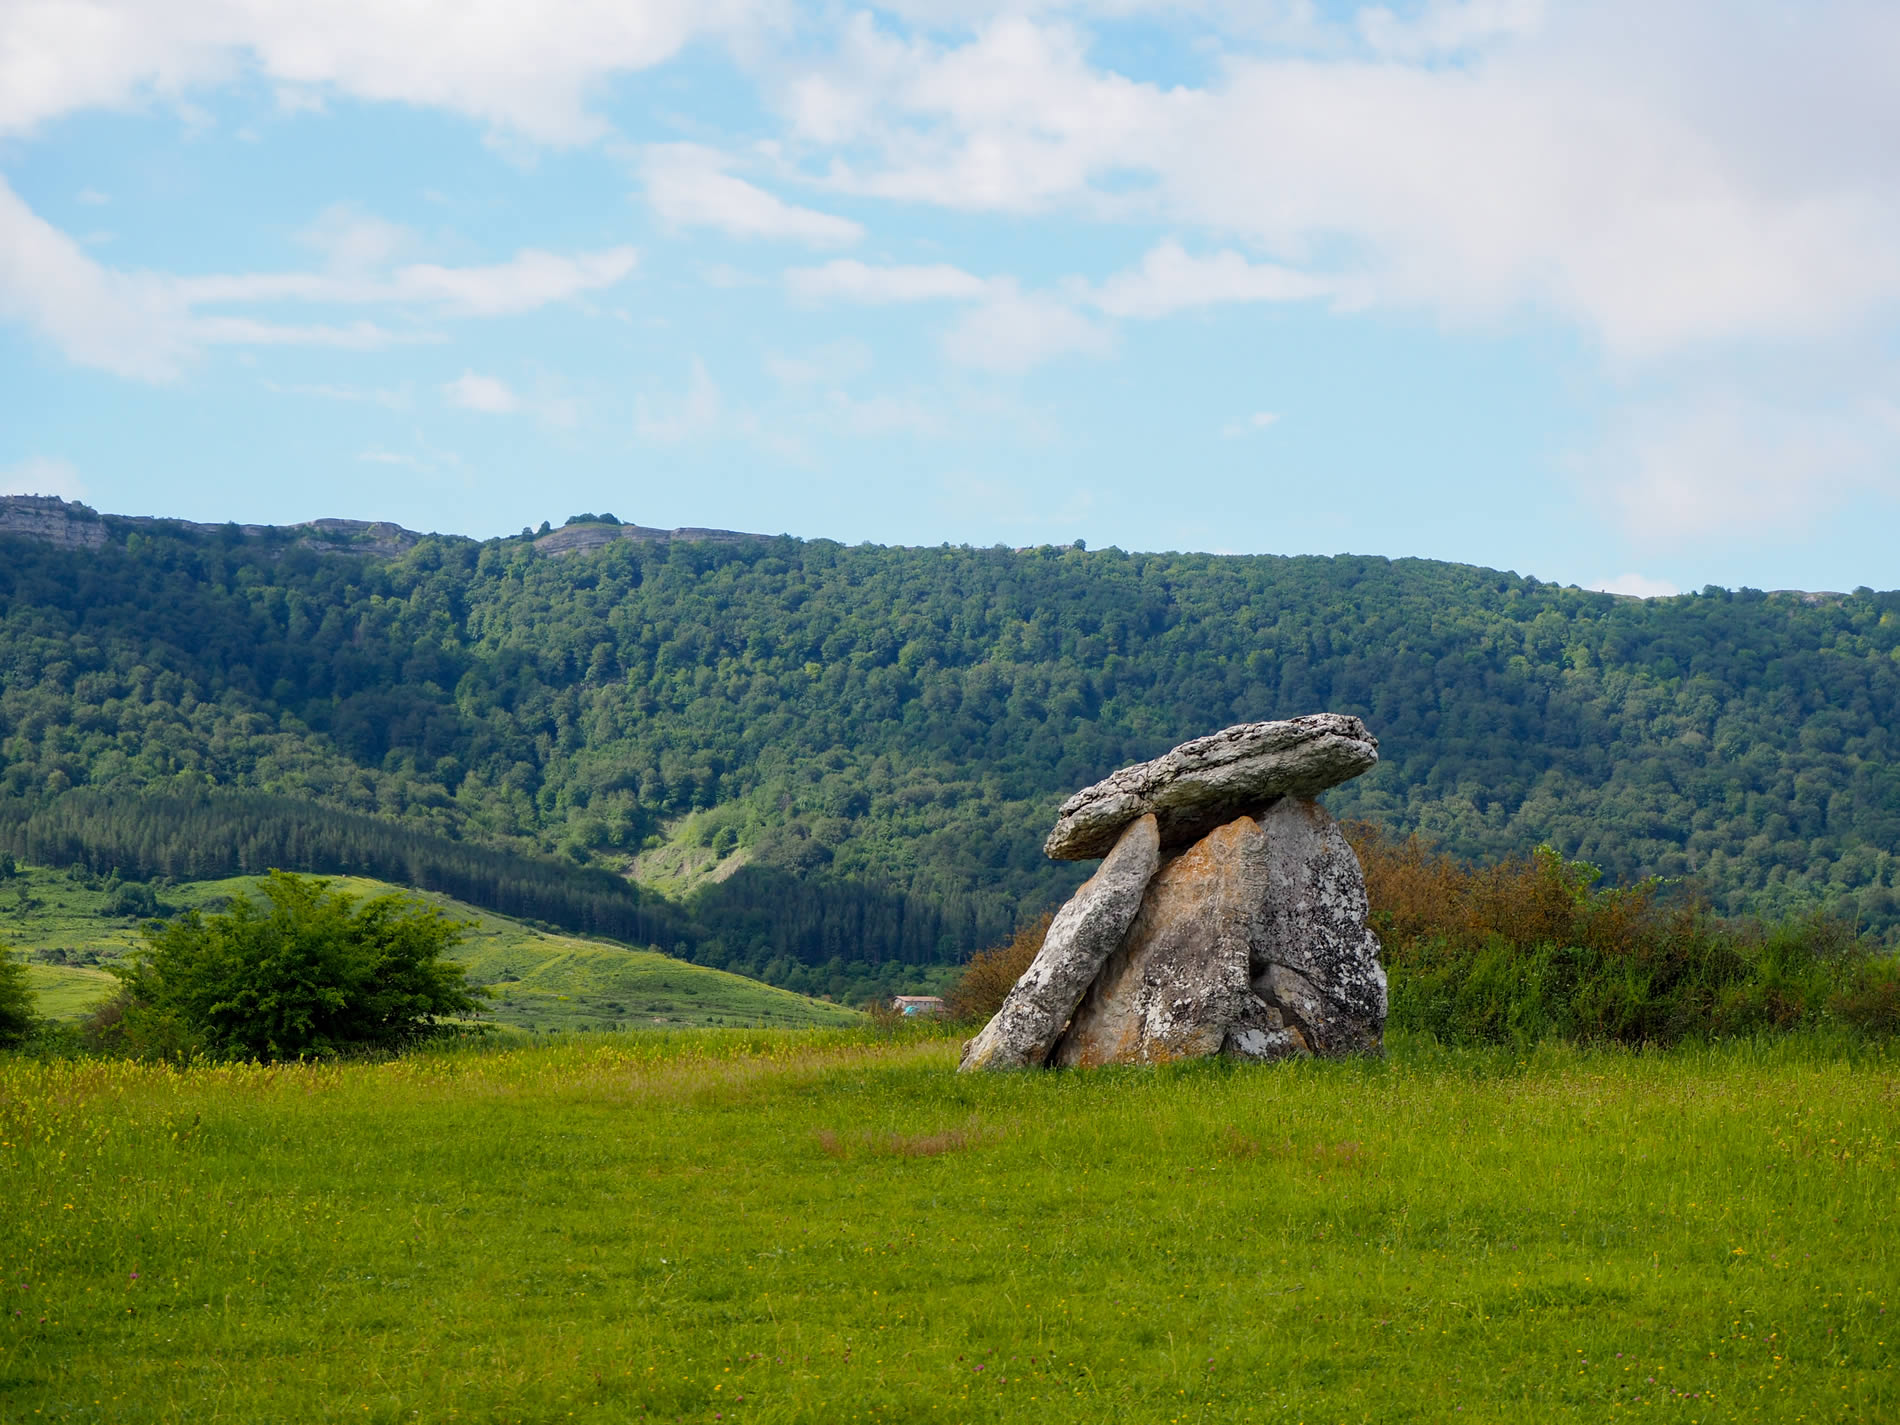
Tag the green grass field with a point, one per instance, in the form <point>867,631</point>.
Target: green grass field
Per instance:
<point>540,982</point>
<point>823,1227</point>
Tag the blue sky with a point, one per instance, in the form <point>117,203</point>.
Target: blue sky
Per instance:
<point>1605,293</point>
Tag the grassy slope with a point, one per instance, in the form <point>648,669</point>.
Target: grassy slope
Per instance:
<point>775,1228</point>
<point>540,981</point>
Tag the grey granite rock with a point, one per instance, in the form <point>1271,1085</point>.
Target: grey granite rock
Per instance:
<point>1182,980</point>
<point>1252,943</point>
<point>1084,933</point>
<point>1314,961</point>
<point>1207,782</point>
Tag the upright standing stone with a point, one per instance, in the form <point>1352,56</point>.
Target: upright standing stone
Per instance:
<point>1084,933</point>
<point>1182,981</point>
<point>1252,943</point>
<point>1314,961</point>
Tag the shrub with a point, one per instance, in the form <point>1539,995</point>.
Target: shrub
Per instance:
<point>1528,949</point>
<point>986,981</point>
<point>305,972</point>
<point>18,1022</point>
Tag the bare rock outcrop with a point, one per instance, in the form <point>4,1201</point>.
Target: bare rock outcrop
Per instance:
<point>1207,782</point>
<point>1085,932</point>
<point>1250,942</point>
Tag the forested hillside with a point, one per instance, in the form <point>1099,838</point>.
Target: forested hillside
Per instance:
<point>881,736</point>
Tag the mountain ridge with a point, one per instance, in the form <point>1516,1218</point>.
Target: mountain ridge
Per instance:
<point>885,733</point>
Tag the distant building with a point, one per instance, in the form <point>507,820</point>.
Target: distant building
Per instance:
<point>917,1004</point>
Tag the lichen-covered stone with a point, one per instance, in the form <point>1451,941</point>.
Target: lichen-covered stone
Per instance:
<point>1211,780</point>
<point>1252,943</point>
<point>1182,979</point>
<point>1314,960</point>
<point>1084,933</point>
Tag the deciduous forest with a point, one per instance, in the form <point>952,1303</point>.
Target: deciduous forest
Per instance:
<point>878,738</point>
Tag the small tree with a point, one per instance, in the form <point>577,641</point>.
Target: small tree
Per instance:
<point>18,1022</point>
<point>991,974</point>
<point>307,971</point>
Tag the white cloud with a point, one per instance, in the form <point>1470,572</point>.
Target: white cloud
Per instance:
<point>124,323</point>
<point>1447,26</point>
<point>1639,586</point>
<point>525,68</point>
<point>394,398</point>
<point>833,363</point>
<point>490,395</point>
<point>357,336</point>
<point>1258,421</point>
<point>695,414</point>
<point>1013,331</point>
<point>352,240</point>
<point>146,325</point>
<point>40,475</point>
<point>529,280</point>
<point>689,187</point>
<point>1718,461</point>
<point>1169,280</point>
<point>481,393</point>
<point>1660,177</point>
<point>848,280</point>
<point>879,415</point>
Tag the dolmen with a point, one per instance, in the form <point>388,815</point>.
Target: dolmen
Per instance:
<point>1228,915</point>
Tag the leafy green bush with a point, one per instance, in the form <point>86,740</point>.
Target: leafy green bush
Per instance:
<point>18,1022</point>
<point>307,972</point>
<point>1527,949</point>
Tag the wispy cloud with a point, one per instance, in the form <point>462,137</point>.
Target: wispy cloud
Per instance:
<point>690,187</point>
<point>390,398</point>
<point>490,395</point>
<point>669,420</point>
<point>848,280</point>
<point>1169,280</point>
<point>1258,421</point>
<point>481,393</point>
<point>147,326</point>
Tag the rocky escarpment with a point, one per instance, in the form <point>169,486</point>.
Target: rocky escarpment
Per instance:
<point>580,538</point>
<point>1249,941</point>
<point>70,525</point>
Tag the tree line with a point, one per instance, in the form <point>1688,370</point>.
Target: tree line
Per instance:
<point>883,735</point>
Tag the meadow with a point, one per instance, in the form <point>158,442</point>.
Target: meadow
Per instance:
<point>728,1225</point>
<point>539,981</point>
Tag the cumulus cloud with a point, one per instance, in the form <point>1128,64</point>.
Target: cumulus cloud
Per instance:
<point>690,187</point>
<point>1613,164</point>
<point>525,69</point>
<point>125,323</point>
<point>41,475</point>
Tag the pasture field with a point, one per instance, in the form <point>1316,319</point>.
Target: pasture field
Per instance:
<point>540,981</point>
<point>828,1226</point>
